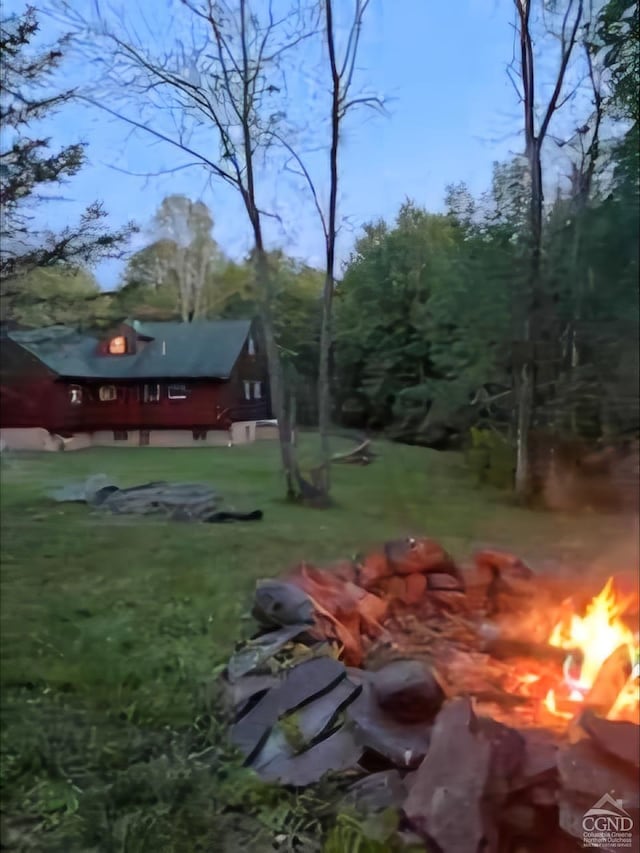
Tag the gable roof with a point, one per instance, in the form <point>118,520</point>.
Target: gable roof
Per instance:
<point>198,350</point>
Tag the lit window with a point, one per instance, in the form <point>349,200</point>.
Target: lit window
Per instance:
<point>251,347</point>
<point>107,393</point>
<point>177,392</point>
<point>257,390</point>
<point>247,390</point>
<point>118,345</point>
<point>75,395</point>
<point>151,393</point>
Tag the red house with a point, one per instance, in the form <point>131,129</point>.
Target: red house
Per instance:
<point>167,384</point>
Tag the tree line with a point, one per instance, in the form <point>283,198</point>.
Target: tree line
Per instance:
<point>516,311</point>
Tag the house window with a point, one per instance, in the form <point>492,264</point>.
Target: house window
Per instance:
<point>151,393</point>
<point>75,395</point>
<point>118,345</point>
<point>251,346</point>
<point>107,393</point>
<point>247,390</point>
<point>177,392</point>
<point>199,434</point>
<point>120,435</point>
<point>257,390</point>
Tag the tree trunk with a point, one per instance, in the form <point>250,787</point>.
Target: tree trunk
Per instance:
<point>324,383</point>
<point>338,93</point>
<point>523,427</point>
<point>526,383</point>
<point>276,374</point>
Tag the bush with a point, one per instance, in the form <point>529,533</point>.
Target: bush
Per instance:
<point>491,458</point>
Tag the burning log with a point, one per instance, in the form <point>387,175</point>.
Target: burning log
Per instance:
<point>610,681</point>
<point>505,647</point>
<point>618,738</point>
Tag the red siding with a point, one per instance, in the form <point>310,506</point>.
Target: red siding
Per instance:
<point>210,404</point>
<point>32,396</point>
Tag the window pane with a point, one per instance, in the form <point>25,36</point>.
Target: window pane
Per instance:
<point>118,345</point>
<point>151,393</point>
<point>107,393</point>
<point>177,392</point>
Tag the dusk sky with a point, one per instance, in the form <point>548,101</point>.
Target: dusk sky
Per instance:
<point>452,112</point>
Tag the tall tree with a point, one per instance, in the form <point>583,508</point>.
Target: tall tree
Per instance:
<point>29,166</point>
<point>342,42</point>
<point>190,255</point>
<point>225,80</point>
<point>341,69</point>
<point>537,114</point>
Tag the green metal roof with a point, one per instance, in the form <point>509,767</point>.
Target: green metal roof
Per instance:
<point>198,350</point>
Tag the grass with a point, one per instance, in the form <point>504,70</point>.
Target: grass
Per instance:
<point>113,631</point>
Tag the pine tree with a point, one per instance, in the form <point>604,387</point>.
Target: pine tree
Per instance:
<point>29,164</point>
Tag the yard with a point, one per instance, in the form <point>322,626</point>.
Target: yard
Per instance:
<point>112,632</point>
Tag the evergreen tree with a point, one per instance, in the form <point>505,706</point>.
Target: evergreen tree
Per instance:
<point>29,164</point>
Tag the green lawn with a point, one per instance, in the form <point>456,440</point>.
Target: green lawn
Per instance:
<point>112,630</point>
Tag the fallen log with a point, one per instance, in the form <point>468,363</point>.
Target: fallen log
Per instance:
<point>360,455</point>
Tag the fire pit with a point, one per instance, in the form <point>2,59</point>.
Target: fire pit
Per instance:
<point>501,707</point>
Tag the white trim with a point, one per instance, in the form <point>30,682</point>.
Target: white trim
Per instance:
<point>180,396</point>
<point>147,396</point>
<point>107,393</point>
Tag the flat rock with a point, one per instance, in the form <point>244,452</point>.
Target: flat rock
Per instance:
<point>616,737</point>
<point>377,791</point>
<point>586,770</point>
<point>407,691</point>
<point>259,650</point>
<point>403,744</point>
<point>571,813</point>
<point>277,761</point>
<point>445,798</point>
<point>277,604</point>
<point>302,684</point>
<point>315,717</point>
<point>239,692</point>
<point>507,754</point>
<point>539,762</point>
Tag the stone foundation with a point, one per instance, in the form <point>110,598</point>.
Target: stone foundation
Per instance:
<point>37,439</point>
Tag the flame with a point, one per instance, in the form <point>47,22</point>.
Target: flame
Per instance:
<point>596,635</point>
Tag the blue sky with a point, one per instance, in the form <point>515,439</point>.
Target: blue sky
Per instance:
<point>452,112</point>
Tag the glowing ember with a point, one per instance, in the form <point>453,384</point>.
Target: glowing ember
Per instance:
<point>596,635</point>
